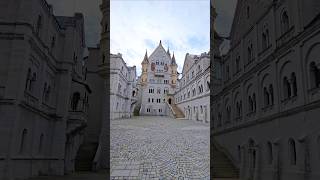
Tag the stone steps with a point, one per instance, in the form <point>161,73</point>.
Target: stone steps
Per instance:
<point>222,166</point>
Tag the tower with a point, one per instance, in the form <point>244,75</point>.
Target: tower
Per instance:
<point>145,64</point>
<point>174,73</point>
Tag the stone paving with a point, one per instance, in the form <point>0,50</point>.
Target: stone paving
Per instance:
<point>159,148</point>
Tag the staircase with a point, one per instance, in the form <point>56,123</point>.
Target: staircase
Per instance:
<point>177,111</point>
<point>85,157</point>
<point>222,167</point>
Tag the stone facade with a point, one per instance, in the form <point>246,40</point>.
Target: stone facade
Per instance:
<point>158,80</point>
<point>192,94</point>
<point>266,104</point>
<point>122,88</point>
<point>43,94</point>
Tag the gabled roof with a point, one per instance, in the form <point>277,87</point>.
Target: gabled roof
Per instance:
<point>159,53</point>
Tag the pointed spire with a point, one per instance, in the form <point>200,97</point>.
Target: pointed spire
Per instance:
<point>168,52</point>
<point>145,59</point>
<point>173,59</point>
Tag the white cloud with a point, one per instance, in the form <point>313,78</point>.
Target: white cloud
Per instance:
<point>135,23</point>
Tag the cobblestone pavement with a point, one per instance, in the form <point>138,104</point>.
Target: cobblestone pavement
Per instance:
<point>159,148</point>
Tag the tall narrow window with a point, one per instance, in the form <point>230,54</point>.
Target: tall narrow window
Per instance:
<point>266,97</point>
<point>271,94</point>
<point>254,102</point>
<point>294,84</point>
<point>39,24</point>
<point>32,81</point>
<point>314,75</point>
<point>75,101</point>
<point>284,22</point>
<point>28,79</point>
<point>23,142</point>
<point>269,153</point>
<point>286,88</point>
<point>292,152</point>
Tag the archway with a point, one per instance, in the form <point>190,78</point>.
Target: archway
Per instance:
<point>169,100</point>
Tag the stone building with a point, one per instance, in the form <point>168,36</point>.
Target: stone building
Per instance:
<point>192,94</point>
<point>158,82</point>
<point>122,88</point>
<point>266,105</point>
<point>43,90</point>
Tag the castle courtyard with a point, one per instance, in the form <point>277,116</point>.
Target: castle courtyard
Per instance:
<point>149,147</point>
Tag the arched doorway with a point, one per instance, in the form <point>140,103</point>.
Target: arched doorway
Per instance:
<point>169,100</point>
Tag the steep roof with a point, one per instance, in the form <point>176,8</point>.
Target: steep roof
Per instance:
<point>145,59</point>
<point>159,53</point>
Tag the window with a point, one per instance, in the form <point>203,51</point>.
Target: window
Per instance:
<point>208,85</point>
<point>271,94</point>
<point>269,153</point>
<point>28,79</point>
<point>265,38</point>
<point>266,97</point>
<point>314,75</point>
<point>75,100</point>
<point>250,53</point>
<point>286,88</point>
<point>292,152</point>
<point>39,24</point>
<point>23,142</point>
<point>33,81</point>
<point>228,113</point>
<point>159,91</point>
<point>294,84</point>
<point>284,22</point>
<point>248,12</point>
<point>44,91</point>
<point>53,41</point>
<point>237,64</point>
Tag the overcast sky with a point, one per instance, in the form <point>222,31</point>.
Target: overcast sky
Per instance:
<point>137,25</point>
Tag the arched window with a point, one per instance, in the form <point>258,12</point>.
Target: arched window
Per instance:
<point>75,101</point>
<point>238,64</point>
<point>39,24</point>
<point>294,84</point>
<point>284,22</point>
<point>286,88</point>
<point>248,12</point>
<point>292,152</point>
<point>228,113</point>
<point>314,75</point>
<point>254,102</point>
<point>250,53</point>
<point>269,153</point>
<point>44,91</point>
<point>264,41</point>
<point>266,97</point>
<point>208,85</point>
<point>28,79</point>
<point>32,81</point>
<point>271,94</point>
<point>250,102</point>
<point>23,142</point>
<point>252,156</point>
